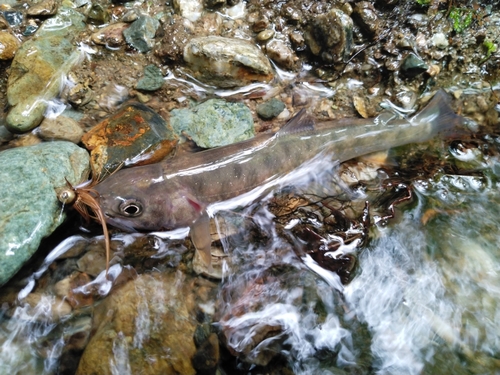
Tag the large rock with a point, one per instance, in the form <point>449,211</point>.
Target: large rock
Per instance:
<point>38,69</point>
<point>227,62</point>
<point>147,327</point>
<point>214,123</point>
<point>30,209</point>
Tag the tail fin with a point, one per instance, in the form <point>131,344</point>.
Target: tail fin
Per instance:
<point>441,117</point>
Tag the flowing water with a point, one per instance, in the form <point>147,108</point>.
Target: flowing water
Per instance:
<point>423,298</point>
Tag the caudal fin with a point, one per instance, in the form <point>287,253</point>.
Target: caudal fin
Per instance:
<point>441,117</point>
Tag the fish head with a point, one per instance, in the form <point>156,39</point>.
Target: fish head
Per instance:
<point>140,199</point>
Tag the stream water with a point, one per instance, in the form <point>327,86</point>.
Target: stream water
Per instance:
<point>423,298</point>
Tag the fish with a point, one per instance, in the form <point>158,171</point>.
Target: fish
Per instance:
<point>176,193</point>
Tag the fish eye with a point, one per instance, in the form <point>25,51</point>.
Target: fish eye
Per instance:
<point>131,207</point>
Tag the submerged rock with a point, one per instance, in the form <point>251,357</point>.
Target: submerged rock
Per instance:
<point>227,62</point>
<point>61,128</point>
<point>141,33</point>
<point>270,109</point>
<point>38,68</point>
<point>31,211</point>
<point>146,326</point>
<point>153,79</point>
<point>214,123</point>
<point>135,135</point>
<point>111,35</point>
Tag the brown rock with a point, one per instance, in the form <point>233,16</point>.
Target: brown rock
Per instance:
<point>110,36</point>
<point>8,45</point>
<point>61,128</point>
<point>135,135</point>
<point>150,322</point>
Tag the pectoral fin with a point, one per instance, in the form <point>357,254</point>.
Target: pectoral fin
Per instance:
<point>200,235</point>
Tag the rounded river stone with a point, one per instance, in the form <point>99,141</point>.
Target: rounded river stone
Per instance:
<point>30,209</point>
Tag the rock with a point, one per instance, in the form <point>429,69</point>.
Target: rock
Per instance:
<point>67,289</point>
<point>44,8</point>
<point>413,65</point>
<point>190,9</point>
<point>153,79</point>
<point>31,211</point>
<point>146,326</point>
<point>281,54</point>
<point>111,35</point>
<point>5,135</point>
<point>135,135</point>
<point>13,17</point>
<point>54,308</point>
<point>270,109</point>
<point>38,68</point>
<point>226,62</point>
<point>214,123</point>
<point>61,128</point>
<point>9,44</point>
<point>440,40</point>
<point>330,36</point>
<point>265,35</point>
<point>366,17</point>
<point>141,33</point>
<point>176,35</point>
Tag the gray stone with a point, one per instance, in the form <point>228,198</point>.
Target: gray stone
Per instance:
<point>413,65</point>
<point>141,33</point>
<point>38,68</point>
<point>61,128</point>
<point>214,123</point>
<point>153,79</point>
<point>270,109</point>
<point>226,62</point>
<point>30,210</point>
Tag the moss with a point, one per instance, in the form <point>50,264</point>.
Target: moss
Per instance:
<point>461,18</point>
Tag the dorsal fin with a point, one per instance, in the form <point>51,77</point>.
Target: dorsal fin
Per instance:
<point>301,122</point>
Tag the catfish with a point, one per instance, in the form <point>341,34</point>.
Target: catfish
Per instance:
<point>176,193</point>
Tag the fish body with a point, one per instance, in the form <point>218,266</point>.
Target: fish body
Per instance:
<point>176,193</point>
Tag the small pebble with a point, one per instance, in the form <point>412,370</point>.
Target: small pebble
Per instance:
<point>270,109</point>
<point>439,40</point>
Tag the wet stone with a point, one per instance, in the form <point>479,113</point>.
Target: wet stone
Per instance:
<point>38,68</point>
<point>31,211</point>
<point>13,17</point>
<point>141,33</point>
<point>9,44</point>
<point>226,62</point>
<point>413,65</point>
<point>190,9</point>
<point>214,123</point>
<point>366,17</point>
<point>44,8</point>
<point>61,128</point>
<point>270,109</point>
<point>135,135</point>
<point>176,36</point>
<point>146,318</point>
<point>330,36</point>
<point>281,54</point>
<point>110,36</point>
<point>153,79</point>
